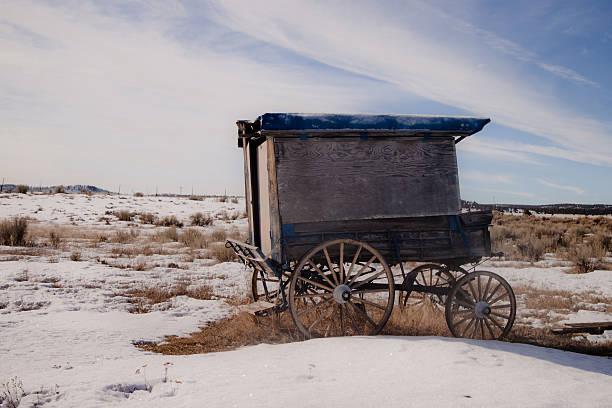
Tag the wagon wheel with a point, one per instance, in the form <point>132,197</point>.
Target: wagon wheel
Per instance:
<point>272,283</point>
<point>430,275</point>
<point>341,288</point>
<point>481,306</point>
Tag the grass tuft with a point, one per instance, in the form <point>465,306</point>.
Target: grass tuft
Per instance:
<point>13,231</point>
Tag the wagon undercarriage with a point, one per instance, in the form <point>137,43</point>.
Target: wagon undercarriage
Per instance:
<point>344,287</point>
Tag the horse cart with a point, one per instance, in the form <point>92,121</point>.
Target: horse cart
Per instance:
<point>339,205</point>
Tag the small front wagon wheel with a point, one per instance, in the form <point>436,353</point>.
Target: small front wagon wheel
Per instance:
<point>481,306</point>
<point>341,288</point>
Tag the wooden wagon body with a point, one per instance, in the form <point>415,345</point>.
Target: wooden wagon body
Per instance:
<point>390,180</point>
<point>334,201</point>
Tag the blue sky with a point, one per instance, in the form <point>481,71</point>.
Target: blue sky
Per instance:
<point>144,94</point>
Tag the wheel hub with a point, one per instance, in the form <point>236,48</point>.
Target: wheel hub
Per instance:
<point>481,309</point>
<point>342,293</point>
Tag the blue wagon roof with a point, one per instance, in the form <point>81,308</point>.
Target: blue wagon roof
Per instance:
<point>458,125</point>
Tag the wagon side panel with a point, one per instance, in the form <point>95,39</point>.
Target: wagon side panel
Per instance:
<point>332,179</point>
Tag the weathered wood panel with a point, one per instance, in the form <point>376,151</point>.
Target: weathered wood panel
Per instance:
<point>332,180</point>
<point>275,222</point>
<point>264,197</point>
<point>446,246</point>
<point>419,238</point>
<point>247,192</point>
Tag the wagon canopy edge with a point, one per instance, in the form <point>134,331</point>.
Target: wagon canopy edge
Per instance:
<point>294,124</point>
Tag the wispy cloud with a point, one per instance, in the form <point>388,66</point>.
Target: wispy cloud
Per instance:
<point>486,177</point>
<point>573,189</point>
<point>119,99</point>
<point>367,41</point>
<point>515,50</point>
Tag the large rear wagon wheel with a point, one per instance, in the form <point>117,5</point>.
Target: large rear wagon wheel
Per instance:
<point>341,288</point>
<point>482,305</point>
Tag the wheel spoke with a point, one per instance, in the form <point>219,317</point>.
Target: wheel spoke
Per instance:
<point>497,299</point>
<point>463,320</point>
<point>331,269</point>
<point>341,264</point>
<point>474,330</point>
<point>323,313</point>
<point>320,272</point>
<point>489,328</point>
<point>341,311</point>
<point>465,304</point>
<point>363,268</point>
<point>352,318</point>
<point>500,306</point>
<point>361,283</point>
<point>494,292</point>
<point>472,290</point>
<point>424,282</point>
<point>318,285</point>
<point>495,322</point>
<point>482,335</point>
<point>364,314</point>
<point>462,312</point>
<point>348,274</point>
<point>479,288</point>
<point>367,302</point>
<point>331,321</point>
<point>313,295</point>
<point>486,289</point>
<point>500,315</point>
<point>316,306</point>
<point>468,327</point>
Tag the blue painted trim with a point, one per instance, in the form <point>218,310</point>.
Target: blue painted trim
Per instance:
<point>455,225</point>
<point>287,230</point>
<point>305,121</point>
<point>304,136</point>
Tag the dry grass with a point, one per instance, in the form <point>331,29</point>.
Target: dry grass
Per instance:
<point>583,241</point>
<point>200,220</point>
<point>167,235</point>
<point>194,239</point>
<point>562,301</point>
<point>124,215</point>
<point>22,189</point>
<point>221,253</point>
<point>54,239</point>
<point>145,297</point>
<point>122,237</point>
<point>219,235</point>
<point>195,198</point>
<point>244,329</point>
<point>138,194</point>
<point>237,331</point>
<point>169,221</point>
<point>75,256</point>
<point>147,218</point>
<point>586,257</point>
<point>13,231</point>
<point>544,338</point>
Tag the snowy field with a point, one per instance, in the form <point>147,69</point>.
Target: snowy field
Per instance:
<point>68,337</point>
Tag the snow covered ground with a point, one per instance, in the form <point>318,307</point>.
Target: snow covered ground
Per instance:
<point>66,332</point>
